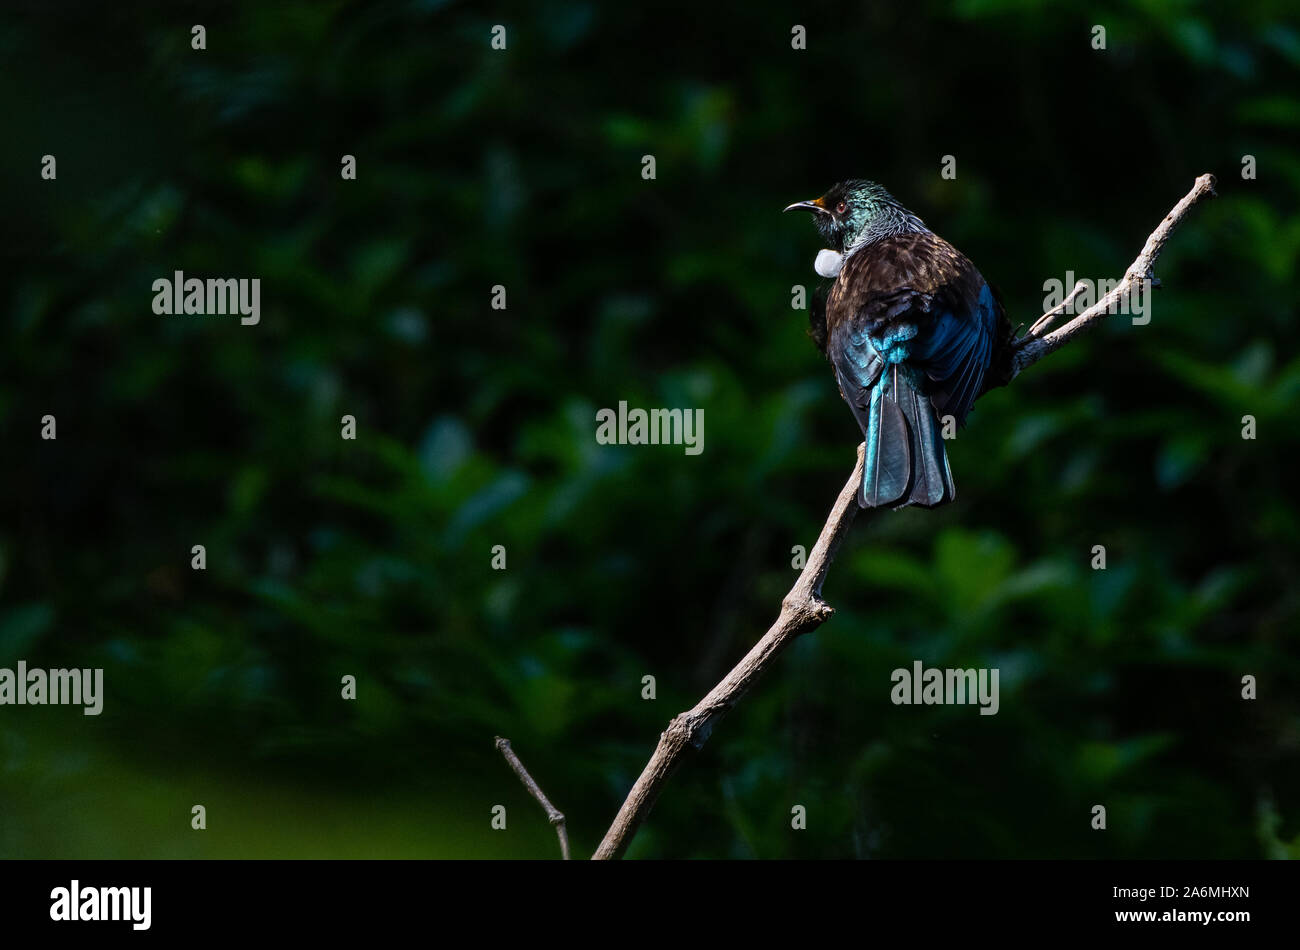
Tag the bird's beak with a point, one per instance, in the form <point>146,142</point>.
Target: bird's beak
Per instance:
<point>814,205</point>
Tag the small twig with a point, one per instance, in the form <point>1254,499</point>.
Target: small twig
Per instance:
<point>553,814</point>
<point>1042,323</point>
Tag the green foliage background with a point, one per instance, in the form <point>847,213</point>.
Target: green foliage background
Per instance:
<point>522,168</point>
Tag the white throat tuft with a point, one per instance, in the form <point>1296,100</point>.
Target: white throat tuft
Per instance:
<point>828,262</point>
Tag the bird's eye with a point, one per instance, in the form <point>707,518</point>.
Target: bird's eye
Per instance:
<point>840,208</point>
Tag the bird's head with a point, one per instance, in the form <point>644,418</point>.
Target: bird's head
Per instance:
<point>856,211</point>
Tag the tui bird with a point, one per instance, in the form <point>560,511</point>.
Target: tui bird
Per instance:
<point>911,329</point>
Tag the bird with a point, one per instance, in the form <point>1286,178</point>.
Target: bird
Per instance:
<point>911,330</point>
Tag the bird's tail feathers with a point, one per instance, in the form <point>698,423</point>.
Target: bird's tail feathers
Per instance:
<point>907,460</point>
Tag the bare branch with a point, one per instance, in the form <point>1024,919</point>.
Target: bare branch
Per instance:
<point>803,608</point>
<point>1033,347</point>
<point>553,814</point>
